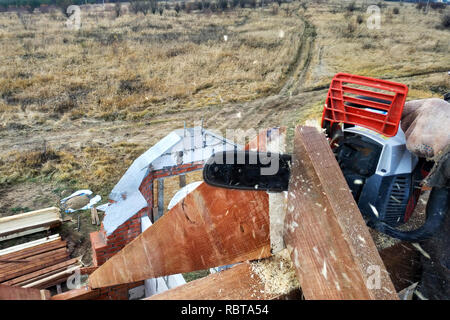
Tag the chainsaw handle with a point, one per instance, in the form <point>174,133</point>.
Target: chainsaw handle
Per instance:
<point>437,208</point>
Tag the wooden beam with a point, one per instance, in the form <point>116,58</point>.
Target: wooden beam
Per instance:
<point>37,262</point>
<point>182,178</point>
<point>16,293</point>
<point>210,227</point>
<point>270,278</point>
<point>236,283</point>
<point>161,208</point>
<point>330,245</point>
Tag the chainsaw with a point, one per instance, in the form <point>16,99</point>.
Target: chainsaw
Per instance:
<point>361,119</point>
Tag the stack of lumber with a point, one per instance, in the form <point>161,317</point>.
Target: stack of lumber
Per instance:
<point>38,264</point>
<point>30,222</point>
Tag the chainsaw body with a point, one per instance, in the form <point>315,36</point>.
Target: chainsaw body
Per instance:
<point>381,173</point>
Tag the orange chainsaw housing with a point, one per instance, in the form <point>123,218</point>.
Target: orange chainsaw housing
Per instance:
<point>344,106</point>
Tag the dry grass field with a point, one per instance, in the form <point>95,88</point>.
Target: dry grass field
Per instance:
<point>77,107</point>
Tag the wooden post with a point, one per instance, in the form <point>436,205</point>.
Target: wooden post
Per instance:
<point>331,248</point>
<point>160,210</point>
<point>182,180</point>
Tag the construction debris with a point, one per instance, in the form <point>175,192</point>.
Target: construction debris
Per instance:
<point>80,200</point>
<point>30,222</point>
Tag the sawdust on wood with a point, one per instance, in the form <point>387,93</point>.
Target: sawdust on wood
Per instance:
<point>277,273</point>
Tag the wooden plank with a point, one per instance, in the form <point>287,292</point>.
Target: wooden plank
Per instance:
<point>26,223</point>
<point>35,215</point>
<point>331,247</point>
<point>210,227</point>
<point>160,212</point>
<point>25,233</point>
<point>237,283</point>
<point>32,259</point>
<point>45,271</point>
<point>51,258</point>
<point>402,261</point>
<point>12,261</point>
<point>29,252</point>
<point>97,219</point>
<point>44,282</point>
<point>84,293</point>
<point>88,270</point>
<point>16,293</point>
<point>93,215</point>
<point>26,245</point>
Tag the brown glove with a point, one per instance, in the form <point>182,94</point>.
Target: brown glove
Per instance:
<point>426,124</point>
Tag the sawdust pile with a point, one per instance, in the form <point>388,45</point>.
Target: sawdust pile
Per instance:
<point>277,273</point>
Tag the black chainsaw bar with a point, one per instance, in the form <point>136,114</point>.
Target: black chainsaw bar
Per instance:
<point>248,170</point>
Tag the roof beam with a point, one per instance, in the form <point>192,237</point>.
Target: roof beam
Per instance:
<point>330,245</point>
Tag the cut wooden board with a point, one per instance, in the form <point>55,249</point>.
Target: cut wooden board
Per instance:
<point>210,227</point>
<point>88,270</point>
<point>16,293</point>
<point>84,293</point>
<point>236,283</point>
<point>30,222</point>
<point>330,245</point>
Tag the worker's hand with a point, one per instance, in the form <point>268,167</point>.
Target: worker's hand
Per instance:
<point>426,124</point>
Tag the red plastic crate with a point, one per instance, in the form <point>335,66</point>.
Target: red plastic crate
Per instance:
<point>343,105</point>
